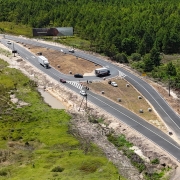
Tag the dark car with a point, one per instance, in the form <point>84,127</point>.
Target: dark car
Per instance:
<point>62,80</point>
<point>78,75</point>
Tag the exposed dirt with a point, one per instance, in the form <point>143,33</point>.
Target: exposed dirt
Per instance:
<point>128,97</point>
<point>64,62</point>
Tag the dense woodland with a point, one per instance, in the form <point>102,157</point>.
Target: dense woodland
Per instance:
<point>142,29</point>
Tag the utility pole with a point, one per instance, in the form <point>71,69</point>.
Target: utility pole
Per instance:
<point>86,102</point>
<point>85,96</point>
<point>169,86</point>
<point>81,103</point>
<point>14,51</point>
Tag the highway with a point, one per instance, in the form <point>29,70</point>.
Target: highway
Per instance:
<point>149,131</point>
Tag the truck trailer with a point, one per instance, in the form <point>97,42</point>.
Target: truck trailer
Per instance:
<point>102,71</point>
<point>43,61</point>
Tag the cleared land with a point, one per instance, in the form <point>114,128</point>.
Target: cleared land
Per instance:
<point>65,62</point>
<point>129,98</point>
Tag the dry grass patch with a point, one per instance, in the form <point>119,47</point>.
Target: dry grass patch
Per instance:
<point>129,99</point>
<point>65,62</point>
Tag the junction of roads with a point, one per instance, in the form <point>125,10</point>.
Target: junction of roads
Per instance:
<point>169,116</point>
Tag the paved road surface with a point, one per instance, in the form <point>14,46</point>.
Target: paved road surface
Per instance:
<point>164,110</point>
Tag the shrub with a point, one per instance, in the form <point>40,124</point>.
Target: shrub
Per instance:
<point>90,166</point>
<point>121,58</point>
<point>57,169</point>
<point>155,161</point>
<point>136,57</point>
<point>3,173</point>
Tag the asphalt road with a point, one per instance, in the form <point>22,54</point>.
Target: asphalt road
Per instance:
<point>164,110</point>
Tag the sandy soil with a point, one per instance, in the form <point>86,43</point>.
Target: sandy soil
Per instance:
<point>64,62</point>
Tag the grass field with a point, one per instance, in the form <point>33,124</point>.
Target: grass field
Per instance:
<point>35,143</point>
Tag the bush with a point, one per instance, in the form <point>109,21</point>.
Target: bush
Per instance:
<point>136,57</point>
<point>57,169</point>
<point>3,173</point>
<point>90,166</point>
<point>155,161</point>
<point>121,58</point>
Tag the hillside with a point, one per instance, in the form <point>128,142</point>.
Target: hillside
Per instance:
<point>38,142</point>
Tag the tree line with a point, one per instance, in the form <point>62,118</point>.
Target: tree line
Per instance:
<point>113,25</point>
<point>117,28</point>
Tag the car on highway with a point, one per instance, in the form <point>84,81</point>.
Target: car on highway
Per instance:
<point>83,92</point>
<point>62,80</point>
<point>78,75</point>
<point>71,50</point>
<point>114,84</point>
<point>9,42</point>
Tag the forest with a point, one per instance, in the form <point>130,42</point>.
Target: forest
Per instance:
<point>140,29</point>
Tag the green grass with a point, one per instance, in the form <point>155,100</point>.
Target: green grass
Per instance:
<point>4,52</point>
<point>16,29</point>
<point>35,139</point>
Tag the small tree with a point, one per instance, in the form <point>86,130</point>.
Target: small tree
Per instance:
<point>171,69</point>
<point>136,56</point>
<point>155,57</point>
<point>121,58</point>
<point>148,63</point>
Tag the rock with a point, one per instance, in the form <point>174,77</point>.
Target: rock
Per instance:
<point>149,109</point>
<point>14,100</point>
<point>119,99</point>
<point>19,60</point>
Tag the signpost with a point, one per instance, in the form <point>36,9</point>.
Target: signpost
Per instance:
<point>14,51</point>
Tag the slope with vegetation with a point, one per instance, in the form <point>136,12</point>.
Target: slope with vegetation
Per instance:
<point>35,141</point>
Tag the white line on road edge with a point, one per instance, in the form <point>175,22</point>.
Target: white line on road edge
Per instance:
<point>141,125</point>
<point>158,103</point>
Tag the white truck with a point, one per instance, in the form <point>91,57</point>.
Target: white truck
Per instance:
<point>102,71</point>
<point>43,61</point>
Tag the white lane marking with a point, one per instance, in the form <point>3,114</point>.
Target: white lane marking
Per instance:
<point>121,74</point>
<point>139,124</point>
<point>76,84</point>
<point>157,102</point>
